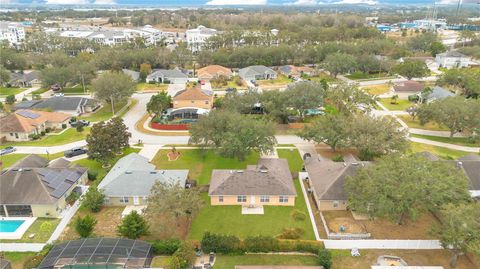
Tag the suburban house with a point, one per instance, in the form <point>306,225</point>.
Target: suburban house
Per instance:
<point>132,73</point>
<point>19,125</point>
<point>327,180</point>
<point>295,71</point>
<point>130,180</point>
<point>470,164</point>
<point>37,187</point>
<point>437,93</point>
<point>173,76</point>
<point>197,37</point>
<point>453,59</point>
<point>269,182</point>
<point>257,72</point>
<point>409,86</point>
<point>69,105</point>
<point>213,71</point>
<point>25,79</point>
<point>193,98</point>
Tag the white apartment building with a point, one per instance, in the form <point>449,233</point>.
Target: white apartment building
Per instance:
<point>196,37</point>
<point>13,32</point>
<point>453,59</point>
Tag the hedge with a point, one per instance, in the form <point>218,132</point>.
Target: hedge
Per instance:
<point>165,247</point>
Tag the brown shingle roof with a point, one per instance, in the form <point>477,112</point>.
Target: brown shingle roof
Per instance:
<point>212,71</point>
<point>409,86</point>
<point>255,180</point>
<point>17,122</point>
<point>193,94</point>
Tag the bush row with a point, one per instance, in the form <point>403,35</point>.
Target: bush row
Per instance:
<point>166,246</point>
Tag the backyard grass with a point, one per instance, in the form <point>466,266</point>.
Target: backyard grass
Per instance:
<point>42,228</point>
<point>401,104</point>
<point>295,162</point>
<point>416,124</point>
<point>151,87</point>
<point>229,262</point>
<point>367,76</point>
<point>4,91</point>
<point>441,152</point>
<point>69,136</point>
<point>201,162</point>
<point>229,220</point>
<point>377,89</point>
<point>161,262</point>
<point>104,113</point>
<point>462,141</point>
<point>17,259</point>
<point>280,80</point>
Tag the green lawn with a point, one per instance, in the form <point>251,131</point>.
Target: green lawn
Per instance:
<point>229,220</point>
<point>10,91</point>
<point>76,90</point>
<point>367,76</point>
<point>9,159</point>
<point>401,104</point>
<point>229,262</point>
<point>295,161</point>
<point>17,259</point>
<point>40,91</point>
<point>463,141</point>
<point>441,152</point>
<point>105,112</point>
<point>416,124</point>
<point>151,87</point>
<point>160,261</point>
<point>281,80</point>
<point>93,165</point>
<point>201,163</point>
<point>42,228</point>
<point>320,76</point>
<point>69,136</point>
<point>377,89</point>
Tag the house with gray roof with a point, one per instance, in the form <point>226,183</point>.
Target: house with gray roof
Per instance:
<point>173,76</point>
<point>470,165</point>
<point>437,93</point>
<point>130,180</point>
<point>36,187</point>
<point>135,75</point>
<point>257,72</point>
<point>453,59</point>
<point>73,106</point>
<point>270,182</point>
<point>25,79</point>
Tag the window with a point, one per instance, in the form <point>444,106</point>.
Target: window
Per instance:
<point>220,199</point>
<point>124,200</point>
<point>264,199</point>
<point>241,198</point>
<point>206,102</point>
<point>335,203</point>
<point>283,199</point>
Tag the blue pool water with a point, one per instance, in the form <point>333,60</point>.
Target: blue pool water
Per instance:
<point>10,226</point>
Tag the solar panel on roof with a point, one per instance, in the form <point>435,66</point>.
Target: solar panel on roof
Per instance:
<point>28,114</point>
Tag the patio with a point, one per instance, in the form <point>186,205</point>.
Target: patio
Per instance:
<point>248,210</point>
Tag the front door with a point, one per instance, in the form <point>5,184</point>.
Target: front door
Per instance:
<point>252,200</point>
<point>136,201</point>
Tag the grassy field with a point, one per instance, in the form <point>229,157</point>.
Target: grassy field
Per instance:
<point>229,262</point>
<point>201,163</point>
<point>377,89</point>
<point>41,230</point>
<point>151,87</point>
<point>104,113</point>
<point>17,258</point>
<point>416,124</point>
<point>295,162</point>
<point>69,136</point>
<point>401,104</point>
<point>443,153</point>
<point>462,141</point>
<point>10,91</point>
<point>280,80</point>
<point>367,76</point>
<point>229,220</point>
<point>320,76</point>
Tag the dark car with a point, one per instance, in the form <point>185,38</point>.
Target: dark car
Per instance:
<point>74,152</point>
<point>74,123</point>
<point>231,90</point>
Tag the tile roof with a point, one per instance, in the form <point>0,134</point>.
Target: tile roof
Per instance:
<point>195,93</point>
<point>212,71</point>
<point>18,122</point>
<point>268,177</point>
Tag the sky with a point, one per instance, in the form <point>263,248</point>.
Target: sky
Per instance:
<point>231,2</point>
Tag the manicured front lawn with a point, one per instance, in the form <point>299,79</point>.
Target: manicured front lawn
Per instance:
<point>367,76</point>
<point>201,163</point>
<point>295,162</point>
<point>229,262</point>
<point>463,141</point>
<point>77,90</point>
<point>151,87</point>
<point>40,91</point>
<point>17,259</point>
<point>229,220</point>
<point>280,80</point>
<point>377,89</point>
<point>10,91</point>
<point>105,112</point>
<point>401,104</point>
<point>416,124</point>
<point>441,152</point>
<point>42,228</point>
<point>69,136</point>
<point>320,76</point>
<point>9,159</point>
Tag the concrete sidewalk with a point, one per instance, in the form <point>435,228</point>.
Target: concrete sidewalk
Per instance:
<point>445,145</point>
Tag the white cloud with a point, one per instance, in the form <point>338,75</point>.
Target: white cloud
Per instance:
<point>105,2</point>
<point>455,2</point>
<point>302,3</point>
<point>236,2</point>
<point>365,2</point>
<point>4,2</point>
<point>67,2</point>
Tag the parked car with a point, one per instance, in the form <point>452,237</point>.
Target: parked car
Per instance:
<point>7,150</point>
<point>202,82</point>
<point>74,152</point>
<point>74,123</point>
<point>231,90</point>
<point>58,94</point>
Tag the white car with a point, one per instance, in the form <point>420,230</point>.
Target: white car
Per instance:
<point>58,94</point>
<point>7,150</point>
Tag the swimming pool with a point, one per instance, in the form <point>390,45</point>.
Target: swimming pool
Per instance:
<point>10,226</point>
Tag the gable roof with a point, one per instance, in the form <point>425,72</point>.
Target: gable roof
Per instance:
<point>132,73</point>
<point>453,54</point>
<point>268,177</point>
<point>25,77</point>
<point>27,120</point>
<point>167,73</point>
<point>212,71</point>
<point>472,171</point>
<point>255,70</point>
<point>63,103</point>
<point>409,86</point>
<point>439,93</point>
<point>133,175</point>
<point>33,181</point>
<point>195,93</point>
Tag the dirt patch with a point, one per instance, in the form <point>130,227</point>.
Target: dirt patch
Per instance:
<point>173,155</point>
<point>350,226</point>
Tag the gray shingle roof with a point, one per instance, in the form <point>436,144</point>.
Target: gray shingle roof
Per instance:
<point>63,103</point>
<point>133,74</point>
<point>255,180</point>
<point>255,70</point>
<point>167,73</point>
<point>439,93</point>
<point>471,169</point>
<point>452,53</point>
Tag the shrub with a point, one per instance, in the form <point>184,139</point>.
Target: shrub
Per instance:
<point>238,81</point>
<point>133,226</point>
<point>165,247</point>
<point>292,233</point>
<point>64,126</point>
<point>42,133</point>
<point>413,98</point>
<point>260,244</point>
<point>92,174</point>
<point>298,215</point>
<point>48,130</point>
<point>337,158</point>
<point>34,136</point>
<point>79,128</point>
<point>33,261</point>
<point>184,257</point>
<point>46,227</point>
<point>72,197</point>
<point>93,199</point>
<point>223,244</point>
<point>325,258</point>
<point>84,226</point>
<point>10,99</point>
